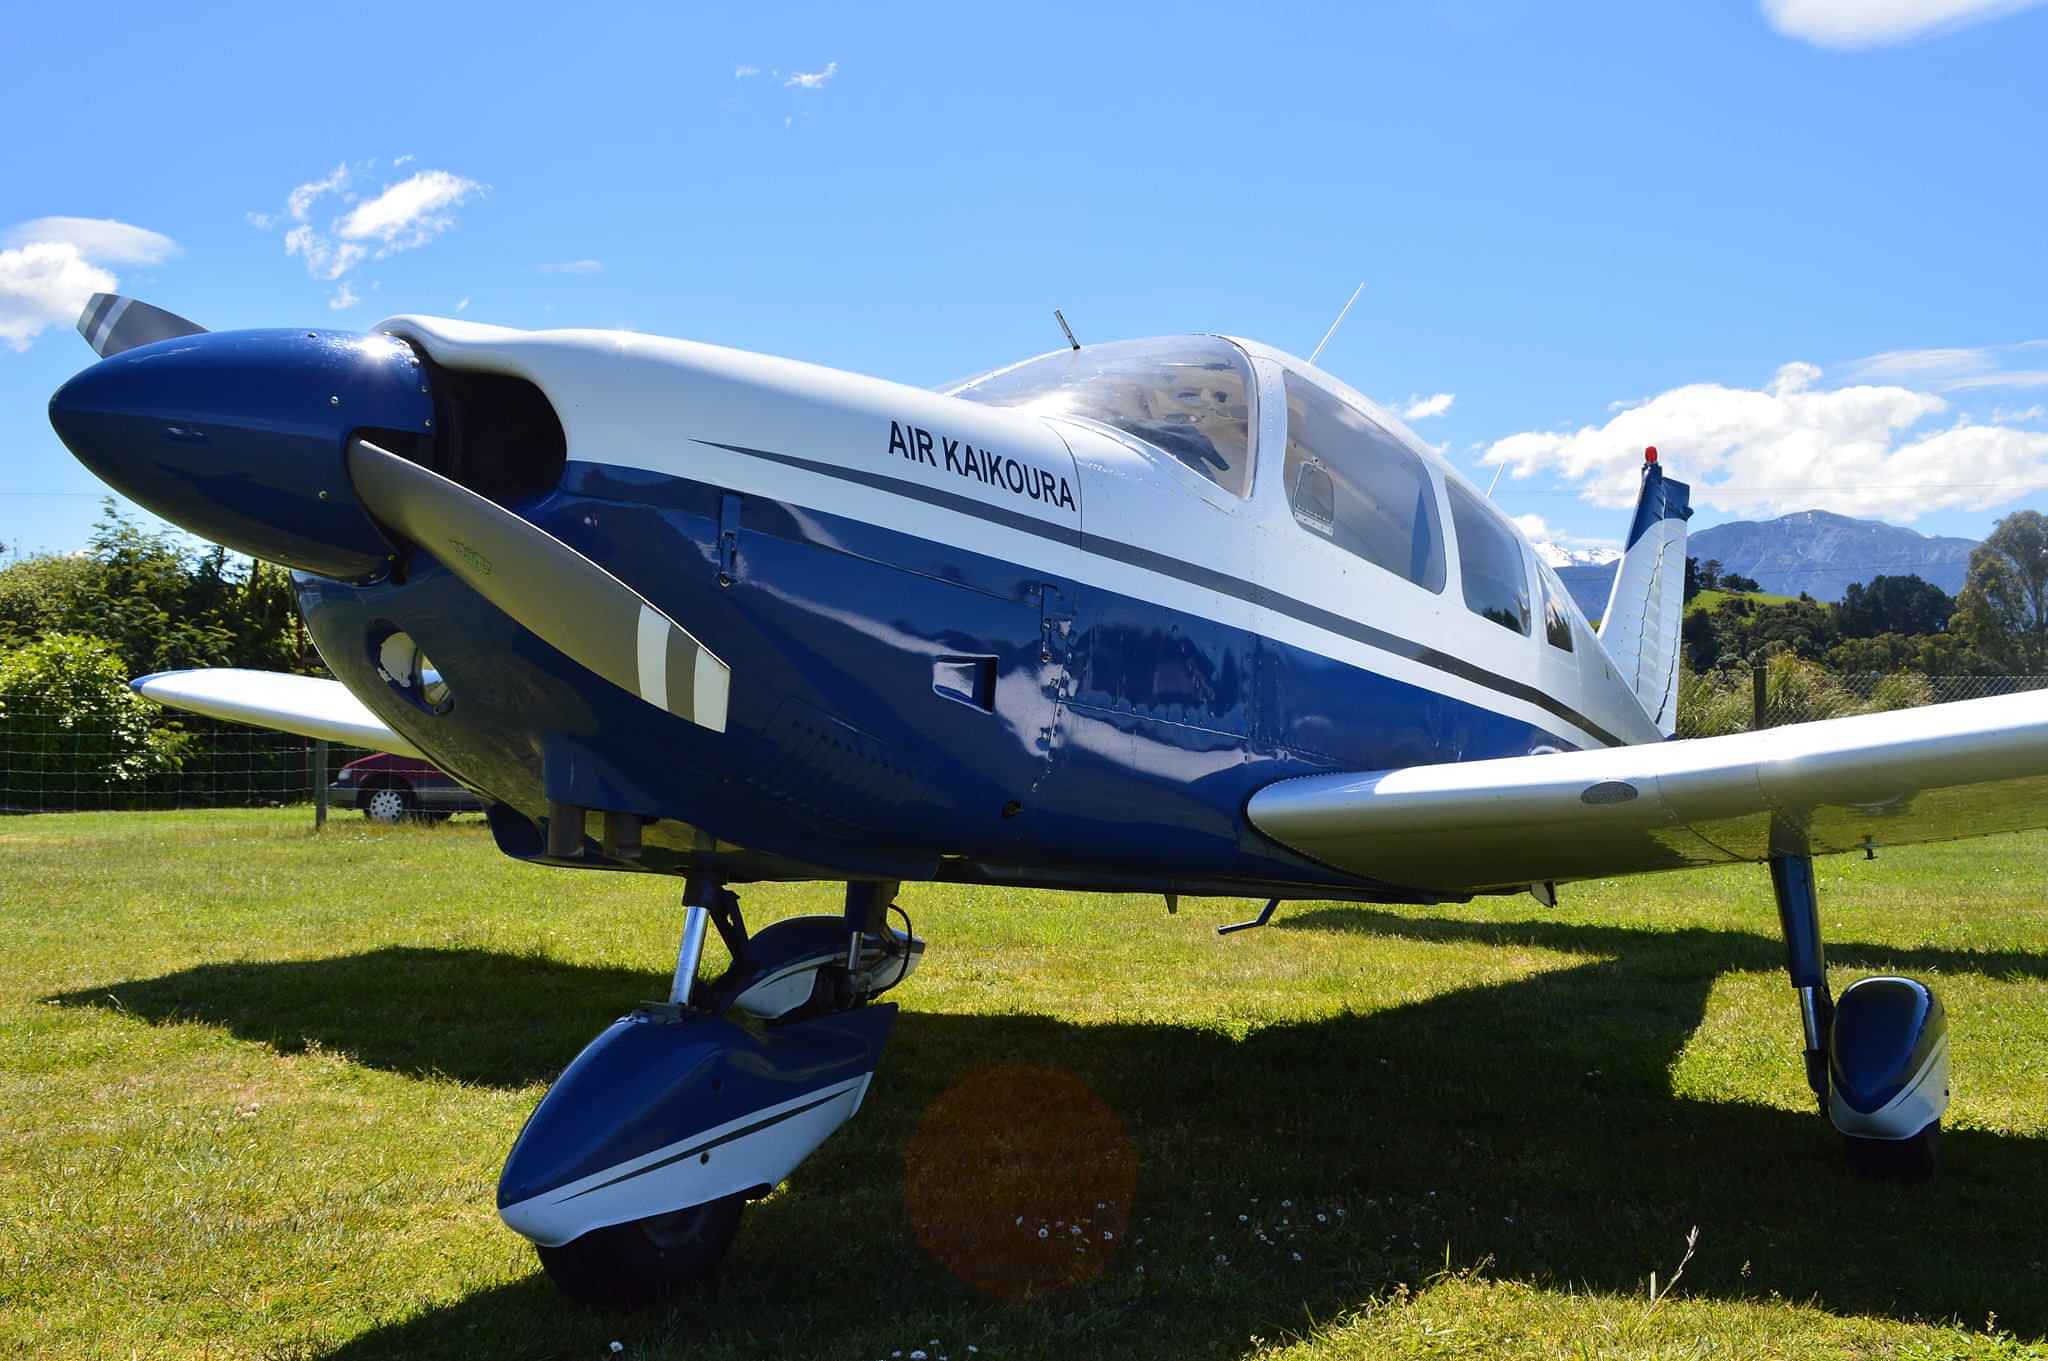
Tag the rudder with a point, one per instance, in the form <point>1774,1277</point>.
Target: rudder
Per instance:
<point>1646,608</point>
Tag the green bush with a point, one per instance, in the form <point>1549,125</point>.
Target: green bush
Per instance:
<point>73,724</point>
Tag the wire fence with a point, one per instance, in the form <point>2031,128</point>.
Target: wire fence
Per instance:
<point>51,762</point>
<point>1772,693</point>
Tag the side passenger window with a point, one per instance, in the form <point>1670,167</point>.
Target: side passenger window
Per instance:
<point>1557,623</point>
<point>1356,485</point>
<point>1490,563</point>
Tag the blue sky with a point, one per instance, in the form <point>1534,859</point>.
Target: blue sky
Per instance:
<point>1796,244</point>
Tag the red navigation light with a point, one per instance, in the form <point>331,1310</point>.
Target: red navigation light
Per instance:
<point>1650,454</point>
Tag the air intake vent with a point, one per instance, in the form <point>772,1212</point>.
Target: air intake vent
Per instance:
<point>495,434</point>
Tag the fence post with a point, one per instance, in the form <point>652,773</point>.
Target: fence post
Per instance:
<point>319,783</point>
<point>1759,676</point>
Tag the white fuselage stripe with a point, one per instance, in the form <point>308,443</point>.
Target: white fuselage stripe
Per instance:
<point>1126,569</point>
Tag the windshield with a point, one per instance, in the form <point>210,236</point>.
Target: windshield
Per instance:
<point>1189,396</point>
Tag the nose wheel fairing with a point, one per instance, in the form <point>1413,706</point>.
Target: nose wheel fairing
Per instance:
<point>671,1108</point>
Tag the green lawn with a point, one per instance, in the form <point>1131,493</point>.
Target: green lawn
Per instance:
<point>1714,600</point>
<point>255,1086</point>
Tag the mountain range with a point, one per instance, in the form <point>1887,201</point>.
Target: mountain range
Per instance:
<point>1814,551</point>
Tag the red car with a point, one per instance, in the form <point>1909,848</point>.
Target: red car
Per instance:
<point>393,788</point>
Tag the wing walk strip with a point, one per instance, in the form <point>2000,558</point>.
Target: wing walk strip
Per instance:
<point>1195,575</point>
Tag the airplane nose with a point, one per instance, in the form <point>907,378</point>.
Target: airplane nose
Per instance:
<point>241,437</point>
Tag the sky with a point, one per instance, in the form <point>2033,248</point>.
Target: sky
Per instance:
<point>1796,244</point>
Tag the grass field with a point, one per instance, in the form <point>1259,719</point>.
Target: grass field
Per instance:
<point>1714,600</point>
<point>255,1086</point>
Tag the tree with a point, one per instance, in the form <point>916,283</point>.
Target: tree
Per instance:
<point>159,604</point>
<point>2003,610</point>
<point>1902,604</point>
<point>1731,581</point>
<point>1709,574</point>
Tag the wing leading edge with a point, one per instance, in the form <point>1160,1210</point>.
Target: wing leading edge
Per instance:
<point>1844,784</point>
<point>268,699</point>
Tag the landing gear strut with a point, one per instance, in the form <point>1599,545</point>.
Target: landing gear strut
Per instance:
<point>631,1173</point>
<point>1877,1061</point>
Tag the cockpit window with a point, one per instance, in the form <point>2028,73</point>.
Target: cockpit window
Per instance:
<point>1353,483</point>
<point>1190,396</point>
<point>1495,581</point>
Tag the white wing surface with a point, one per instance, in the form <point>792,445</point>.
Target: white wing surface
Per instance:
<point>1928,774</point>
<point>269,699</point>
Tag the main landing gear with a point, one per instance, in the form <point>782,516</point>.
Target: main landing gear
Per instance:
<point>631,1174</point>
<point>1877,1060</point>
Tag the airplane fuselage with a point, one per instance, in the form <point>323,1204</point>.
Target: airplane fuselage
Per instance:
<point>967,642</point>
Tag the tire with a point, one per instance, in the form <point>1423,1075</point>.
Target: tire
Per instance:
<point>629,1266</point>
<point>389,804</point>
<point>1917,1159</point>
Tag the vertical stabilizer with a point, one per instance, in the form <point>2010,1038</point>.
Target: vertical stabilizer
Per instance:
<point>1647,605</point>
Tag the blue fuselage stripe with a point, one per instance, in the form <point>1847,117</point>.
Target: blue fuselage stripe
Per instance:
<point>1194,574</point>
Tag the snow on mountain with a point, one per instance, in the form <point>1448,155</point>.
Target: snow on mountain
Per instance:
<point>1557,555</point>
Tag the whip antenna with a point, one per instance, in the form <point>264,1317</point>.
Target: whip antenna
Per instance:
<point>1066,328</point>
<point>1333,325</point>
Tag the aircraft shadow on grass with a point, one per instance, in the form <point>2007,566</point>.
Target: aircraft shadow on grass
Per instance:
<point>1539,1111</point>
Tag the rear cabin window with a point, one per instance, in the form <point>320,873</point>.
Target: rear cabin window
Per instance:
<point>1188,396</point>
<point>1557,622</point>
<point>1353,483</point>
<point>1490,567</point>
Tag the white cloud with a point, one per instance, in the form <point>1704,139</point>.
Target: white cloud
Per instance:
<point>813,80</point>
<point>1872,23</point>
<point>1863,449</point>
<point>344,297</point>
<point>574,267</point>
<point>324,259</point>
<point>742,72</point>
<point>44,284</point>
<point>403,216</point>
<point>407,159</point>
<point>2004,378</point>
<point>299,203</point>
<point>50,266</point>
<point>97,238</point>
<point>463,306</point>
<point>1954,368</point>
<point>409,213</point>
<point>1421,408</point>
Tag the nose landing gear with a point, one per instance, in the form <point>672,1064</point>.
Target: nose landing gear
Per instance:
<point>631,1174</point>
<point>1877,1061</point>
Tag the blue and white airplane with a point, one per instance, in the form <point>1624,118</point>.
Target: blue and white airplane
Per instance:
<point>1180,616</point>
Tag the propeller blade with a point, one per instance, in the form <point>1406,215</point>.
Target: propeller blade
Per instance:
<point>566,599</point>
<point>111,323</point>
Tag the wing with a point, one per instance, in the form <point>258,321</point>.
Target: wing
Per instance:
<point>267,699</point>
<point>1929,774</point>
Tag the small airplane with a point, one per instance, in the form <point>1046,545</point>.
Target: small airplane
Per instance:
<point>1183,616</point>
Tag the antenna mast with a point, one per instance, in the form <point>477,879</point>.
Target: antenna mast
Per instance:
<point>1335,324</point>
<point>1066,328</point>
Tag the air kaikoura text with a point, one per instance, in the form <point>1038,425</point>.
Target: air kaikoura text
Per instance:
<point>990,469</point>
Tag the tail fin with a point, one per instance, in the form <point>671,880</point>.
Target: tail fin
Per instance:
<point>1647,605</point>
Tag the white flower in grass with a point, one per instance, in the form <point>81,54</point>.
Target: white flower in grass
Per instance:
<point>917,1355</point>
<point>1043,1232</point>
<point>618,1347</point>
